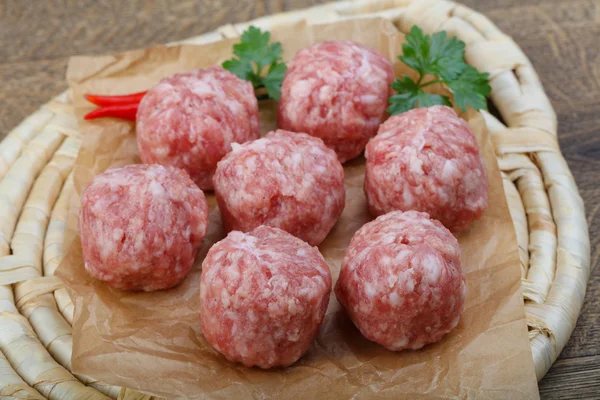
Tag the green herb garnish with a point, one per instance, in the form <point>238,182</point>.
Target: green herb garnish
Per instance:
<point>444,59</point>
<point>255,56</point>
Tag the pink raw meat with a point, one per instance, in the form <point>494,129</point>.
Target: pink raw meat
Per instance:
<point>336,91</point>
<point>401,280</point>
<point>288,180</point>
<point>141,226</point>
<point>263,295</point>
<point>190,121</point>
<point>427,160</point>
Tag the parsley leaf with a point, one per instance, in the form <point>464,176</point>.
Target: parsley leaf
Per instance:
<point>446,56</point>
<point>242,69</point>
<point>409,95</point>
<point>470,88</point>
<point>415,51</point>
<point>444,59</point>
<point>273,80</point>
<point>254,54</point>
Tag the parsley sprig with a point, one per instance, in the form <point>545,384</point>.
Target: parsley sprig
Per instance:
<point>255,55</point>
<point>444,59</point>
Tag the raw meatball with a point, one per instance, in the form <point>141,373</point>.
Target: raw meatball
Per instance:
<point>401,280</point>
<point>141,226</point>
<point>263,295</point>
<point>190,121</point>
<point>291,181</point>
<point>428,160</point>
<point>336,91</point>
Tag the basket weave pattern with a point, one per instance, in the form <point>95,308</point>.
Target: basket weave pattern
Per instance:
<point>37,157</point>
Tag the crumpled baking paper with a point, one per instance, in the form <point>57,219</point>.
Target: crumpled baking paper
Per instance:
<point>152,342</point>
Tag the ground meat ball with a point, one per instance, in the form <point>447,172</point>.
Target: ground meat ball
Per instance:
<point>336,91</point>
<point>401,280</point>
<point>190,121</point>
<point>428,160</point>
<point>263,295</point>
<point>291,181</point>
<point>141,226</point>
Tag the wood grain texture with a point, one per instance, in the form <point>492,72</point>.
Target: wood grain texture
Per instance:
<point>560,38</point>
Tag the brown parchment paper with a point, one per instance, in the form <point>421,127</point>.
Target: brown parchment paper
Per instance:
<point>152,342</point>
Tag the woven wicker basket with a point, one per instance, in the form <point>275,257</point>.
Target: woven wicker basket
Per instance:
<point>36,159</point>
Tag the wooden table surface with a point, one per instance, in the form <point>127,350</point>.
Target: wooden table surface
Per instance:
<point>562,39</point>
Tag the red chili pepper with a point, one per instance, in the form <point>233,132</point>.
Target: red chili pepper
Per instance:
<point>107,101</point>
<point>123,111</point>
